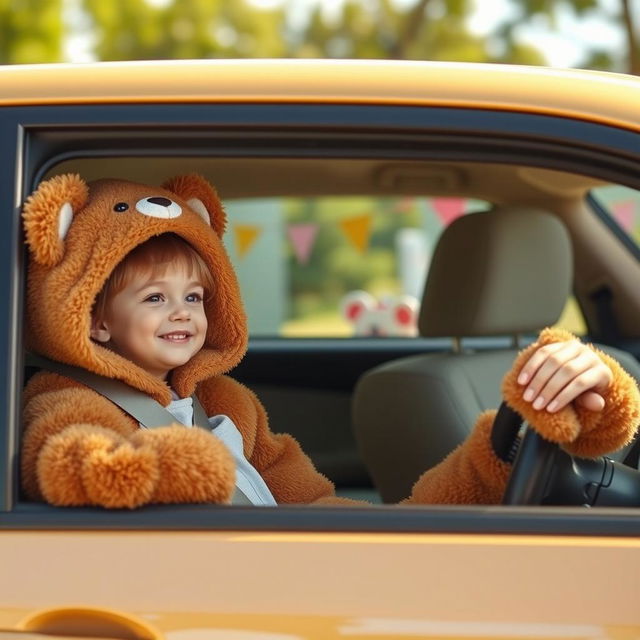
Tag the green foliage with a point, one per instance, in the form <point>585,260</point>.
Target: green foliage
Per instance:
<point>196,29</point>
<point>30,31</point>
<point>35,30</point>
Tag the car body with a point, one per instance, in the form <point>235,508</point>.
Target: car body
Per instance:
<point>263,130</point>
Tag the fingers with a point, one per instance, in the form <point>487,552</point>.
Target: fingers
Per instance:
<point>549,355</point>
<point>557,374</point>
<point>591,400</point>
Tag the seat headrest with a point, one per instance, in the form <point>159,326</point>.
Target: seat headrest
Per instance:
<point>500,272</point>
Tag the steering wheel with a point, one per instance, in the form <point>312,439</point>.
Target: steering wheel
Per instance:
<point>543,473</point>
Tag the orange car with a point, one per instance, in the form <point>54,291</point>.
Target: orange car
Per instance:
<point>340,178</point>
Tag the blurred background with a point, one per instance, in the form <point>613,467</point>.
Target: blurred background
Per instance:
<point>592,34</point>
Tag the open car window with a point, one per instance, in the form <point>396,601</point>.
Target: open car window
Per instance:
<point>299,259</point>
<point>314,214</point>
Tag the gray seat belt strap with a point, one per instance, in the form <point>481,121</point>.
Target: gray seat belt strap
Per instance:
<point>147,411</point>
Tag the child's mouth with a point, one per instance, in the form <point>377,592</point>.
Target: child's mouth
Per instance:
<point>176,336</point>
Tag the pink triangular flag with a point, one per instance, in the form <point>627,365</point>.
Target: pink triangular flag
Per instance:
<point>624,214</point>
<point>448,209</point>
<point>302,237</point>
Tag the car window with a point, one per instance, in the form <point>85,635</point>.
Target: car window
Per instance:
<point>623,205</point>
<point>338,267</point>
<point>301,260</point>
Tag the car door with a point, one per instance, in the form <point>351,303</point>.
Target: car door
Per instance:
<point>185,572</point>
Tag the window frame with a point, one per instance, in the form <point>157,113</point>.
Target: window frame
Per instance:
<point>38,137</point>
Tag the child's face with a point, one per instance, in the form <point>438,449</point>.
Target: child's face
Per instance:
<point>157,321</point>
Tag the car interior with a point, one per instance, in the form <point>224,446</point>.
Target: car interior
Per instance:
<point>373,412</point>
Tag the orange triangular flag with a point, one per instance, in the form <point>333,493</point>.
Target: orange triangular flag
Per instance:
<point>245,236</point>
<point>357,230</point>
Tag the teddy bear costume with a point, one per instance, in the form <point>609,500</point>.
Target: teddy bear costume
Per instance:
<point>78,448</point>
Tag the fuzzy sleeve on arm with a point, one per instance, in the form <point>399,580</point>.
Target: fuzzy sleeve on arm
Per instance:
<point>470,474</point>
<point>79,449</point>
<point>58,415</point>
<point>473,474</point>
<point>278,458</point>
<point>584,433</point>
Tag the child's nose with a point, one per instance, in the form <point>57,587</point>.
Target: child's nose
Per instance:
<point>179,312</point>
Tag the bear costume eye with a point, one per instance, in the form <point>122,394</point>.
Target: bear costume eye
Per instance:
<point>120,207</point>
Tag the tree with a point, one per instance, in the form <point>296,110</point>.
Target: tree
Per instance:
<point>631,31</point>
<point>437,30</point>
<point>427,30</point>
<point>25,39</point>
<point>596,56</point>
<point>139,30</point>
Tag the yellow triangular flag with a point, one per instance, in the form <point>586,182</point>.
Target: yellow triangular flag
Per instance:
<point>357,230</point>
<point>245,235</point>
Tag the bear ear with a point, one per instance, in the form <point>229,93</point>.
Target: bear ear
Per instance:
<point>48,213</point>
<point>201,197</point>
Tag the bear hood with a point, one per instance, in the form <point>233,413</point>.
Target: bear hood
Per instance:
<point>77,233</point>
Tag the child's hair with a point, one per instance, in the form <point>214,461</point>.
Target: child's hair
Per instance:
<point>149,258</point>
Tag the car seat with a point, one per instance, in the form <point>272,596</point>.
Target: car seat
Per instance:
<point>506,272</point>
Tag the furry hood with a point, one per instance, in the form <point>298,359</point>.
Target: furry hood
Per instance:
<point>77,233</point>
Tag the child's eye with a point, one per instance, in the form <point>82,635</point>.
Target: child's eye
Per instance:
<point>154,297</point>
<point>194,297</point>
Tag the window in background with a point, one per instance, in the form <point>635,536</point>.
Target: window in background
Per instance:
<point>336,266</point>
<point>623,205</point>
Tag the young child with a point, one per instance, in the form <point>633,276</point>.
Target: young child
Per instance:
<point>131,282</point>
<point>151,311</point>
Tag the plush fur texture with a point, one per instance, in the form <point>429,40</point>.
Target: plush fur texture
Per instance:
<point>80,449</point>
<point>472,474</point>
<point>581,432</point>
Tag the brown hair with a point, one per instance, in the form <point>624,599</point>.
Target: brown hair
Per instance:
<point>151,257</point>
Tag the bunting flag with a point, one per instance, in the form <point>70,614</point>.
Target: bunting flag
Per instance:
<point>245,236</point>
<point>302,237</point>
<point>448,209</point>
<point>357,230</point>
<point>624,212</point>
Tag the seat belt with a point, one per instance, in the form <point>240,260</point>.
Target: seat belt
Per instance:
<point>142,408</point>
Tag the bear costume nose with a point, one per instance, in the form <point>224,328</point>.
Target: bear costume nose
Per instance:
<point>158,207</point>
<point>163,202</point>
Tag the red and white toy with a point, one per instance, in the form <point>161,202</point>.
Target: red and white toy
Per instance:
<point>388,316</point>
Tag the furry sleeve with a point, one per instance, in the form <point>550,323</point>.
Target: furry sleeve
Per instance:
<point>581,432</point>
<point>79,449</point>
<point>278,458</point>
<point>472,474</point>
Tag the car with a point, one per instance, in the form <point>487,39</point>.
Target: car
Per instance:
<point>340,180</point>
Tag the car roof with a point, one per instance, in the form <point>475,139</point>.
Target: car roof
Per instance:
<point>596,96</point>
